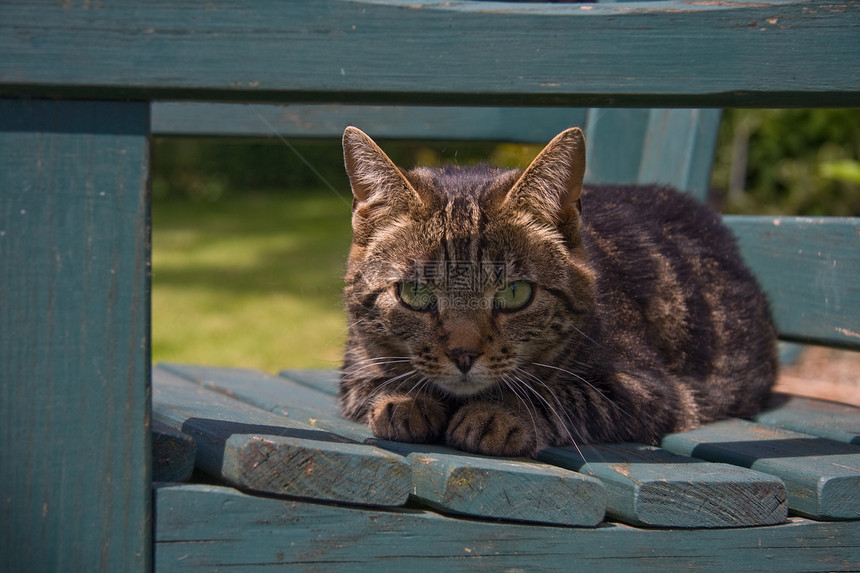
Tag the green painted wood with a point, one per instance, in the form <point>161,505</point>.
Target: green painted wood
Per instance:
<point>259,451</point>
<point>173,454</point>
<point>207,528</point>
<point>660,54</point>
<point>831,420</point>
<point>528,125</point>
<point>669,146</point>
<point>510,489</point>
<point>74,347</point>
<point>447,479</point>
<point>325,381</point>
<point>275,394</point>
<point>649,486</point>
<point>822,476</point>
<point>809,268</point>
<point>679,149</point>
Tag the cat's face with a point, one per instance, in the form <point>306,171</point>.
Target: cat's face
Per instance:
<point>464,276</point>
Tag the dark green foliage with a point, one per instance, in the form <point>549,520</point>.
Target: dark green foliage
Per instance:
<point>798,162</point>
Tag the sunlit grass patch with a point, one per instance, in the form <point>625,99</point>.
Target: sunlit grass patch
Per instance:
<point>250,281</point>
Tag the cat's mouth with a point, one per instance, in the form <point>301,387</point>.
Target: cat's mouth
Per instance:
<point>464,385</point>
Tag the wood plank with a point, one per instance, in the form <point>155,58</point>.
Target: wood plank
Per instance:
<point>822,476</point>
<point>74,352</point>
<point>527,125</point>
<point>173,454</point>
<point>821,418</point>
<point>809,268</point>
<point>325,381</point>
<point>679,149</point>
<point>449,480</point>
<point>259,451</point>
<point>453,481</point>
<point>231,531</point>
<point>654,54</point>
<point>649,486</point>
<point>275,394</point>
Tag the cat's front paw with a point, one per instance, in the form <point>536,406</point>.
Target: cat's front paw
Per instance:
<point>404,418</point>
<point>491,429</point>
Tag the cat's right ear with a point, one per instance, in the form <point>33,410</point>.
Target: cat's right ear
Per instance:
<point>375,180</point>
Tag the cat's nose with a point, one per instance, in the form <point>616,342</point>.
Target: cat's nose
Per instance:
<point>463,358</point>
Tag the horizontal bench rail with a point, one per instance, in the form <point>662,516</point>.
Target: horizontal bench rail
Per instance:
<point>772,53</point>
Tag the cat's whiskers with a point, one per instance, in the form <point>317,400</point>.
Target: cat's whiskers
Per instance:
<point>584,381</point>
<point>375,362</point>
<point>513,384</point>
<point>555,412</point>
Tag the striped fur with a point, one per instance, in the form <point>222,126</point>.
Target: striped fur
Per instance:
<point>642,318</point>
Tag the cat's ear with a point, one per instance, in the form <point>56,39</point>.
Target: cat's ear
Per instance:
<point>552,184</point>
<point>376,181</point>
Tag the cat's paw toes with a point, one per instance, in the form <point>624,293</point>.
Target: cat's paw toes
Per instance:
<point>491,429</point>
<point>407,419</point>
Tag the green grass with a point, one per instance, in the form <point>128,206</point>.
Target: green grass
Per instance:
<point>250,281</point>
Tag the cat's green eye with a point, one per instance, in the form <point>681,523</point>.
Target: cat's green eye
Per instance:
<point>416,295</point>
<point>513,296</point>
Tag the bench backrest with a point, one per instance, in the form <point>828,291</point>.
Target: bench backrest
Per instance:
<point>74,244</point>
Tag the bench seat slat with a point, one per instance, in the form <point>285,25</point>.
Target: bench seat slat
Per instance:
<point>256,450</point>
<point>821,418</point>
<point>822,476</point>
<point>451,481</point>
<point>173,454</point>
<point>653,487</point>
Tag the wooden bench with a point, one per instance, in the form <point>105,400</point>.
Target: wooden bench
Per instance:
<point>78,393</point>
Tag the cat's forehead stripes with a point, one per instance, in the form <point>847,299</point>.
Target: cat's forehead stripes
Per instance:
<point>462,220</point>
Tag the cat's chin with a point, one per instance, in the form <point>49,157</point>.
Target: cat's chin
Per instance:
<point>465,385</point>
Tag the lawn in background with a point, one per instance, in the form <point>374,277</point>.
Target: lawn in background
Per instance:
<point>254,281</point>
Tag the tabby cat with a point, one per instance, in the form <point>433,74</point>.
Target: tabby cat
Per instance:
<point>504,311</point>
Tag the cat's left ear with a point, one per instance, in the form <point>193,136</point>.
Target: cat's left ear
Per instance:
<point>552,184</point>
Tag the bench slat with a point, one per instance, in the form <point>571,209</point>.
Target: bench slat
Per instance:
<point>810,269</point>
<point>451,481</point>
<point>653,487</point>
<point>173,454</point>
<point>230,531</point>
<point>822,476</point>
<point>256,450</point>
<point>527,125</point>
<point>654,54</point>
<point>831,420</point>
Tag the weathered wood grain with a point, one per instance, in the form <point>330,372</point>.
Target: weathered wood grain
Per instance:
<point>74,351</point>
<point>173,454</point>
<point>275,394</point>
<point>509,489</point>
<point>451,481</point>
<point>325,381</point>
<point>232,531</point>
<point>821,418</point>
<point>822,476</point>
<point>653,487</point>
<point>256,450</point>
<point>655,54</point>
<point>448,123</point>
<point>809,268</point>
